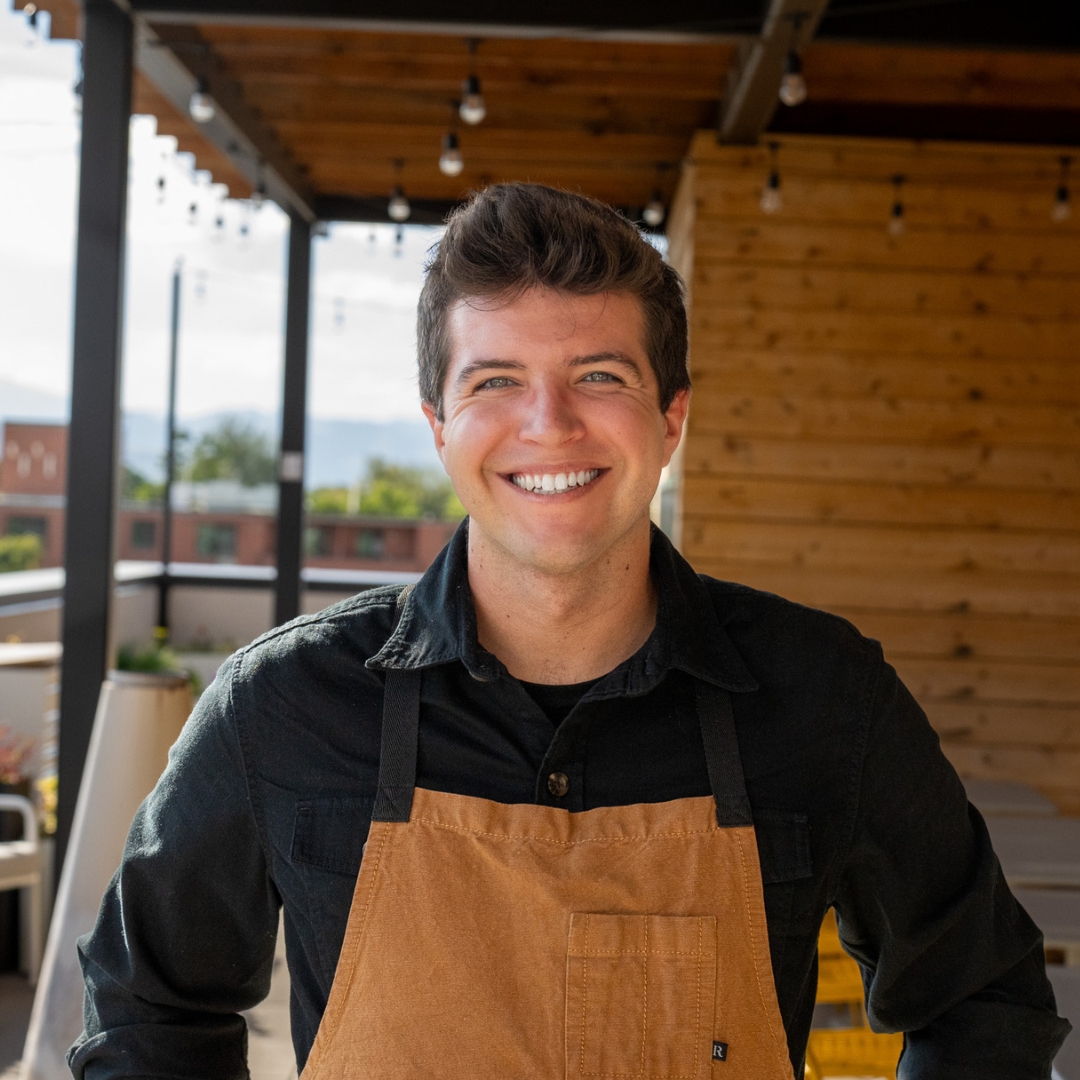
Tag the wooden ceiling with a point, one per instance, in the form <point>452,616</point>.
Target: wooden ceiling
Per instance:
<point>613,118</point>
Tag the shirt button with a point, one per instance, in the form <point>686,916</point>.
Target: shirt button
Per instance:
<point>558,784</point>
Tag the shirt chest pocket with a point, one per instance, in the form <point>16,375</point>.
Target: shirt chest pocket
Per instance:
<point>327,846</point>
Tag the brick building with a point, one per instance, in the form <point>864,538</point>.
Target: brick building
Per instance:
<point>216,522</point>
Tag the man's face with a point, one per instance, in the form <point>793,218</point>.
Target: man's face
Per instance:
<point>552,431</point>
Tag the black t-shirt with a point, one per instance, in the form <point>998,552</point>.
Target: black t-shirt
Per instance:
<point>557,700</point>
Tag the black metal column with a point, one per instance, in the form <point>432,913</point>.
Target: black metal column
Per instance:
<point>94,435</point>
<point>290,515</point>
<point>170,460</point>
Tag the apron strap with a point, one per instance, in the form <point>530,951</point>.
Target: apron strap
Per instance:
<point>400,734</point>
<point>722,757</point>
<point>397,753</point>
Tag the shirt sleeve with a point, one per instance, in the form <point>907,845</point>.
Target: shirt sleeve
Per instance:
<point>185,936</point>
<point>948,955</point>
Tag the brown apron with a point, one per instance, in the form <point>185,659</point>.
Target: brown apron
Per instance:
<point>489,941</point>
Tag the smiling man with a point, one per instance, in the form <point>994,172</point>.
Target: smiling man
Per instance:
<point>565,808</point>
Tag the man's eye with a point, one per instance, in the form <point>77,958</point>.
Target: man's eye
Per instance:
<point>498,382</point>
<point>601,377</point>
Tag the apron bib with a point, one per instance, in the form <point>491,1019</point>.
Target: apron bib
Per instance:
<point>489,941</point>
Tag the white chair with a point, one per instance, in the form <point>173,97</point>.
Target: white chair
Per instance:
<point>21,868</point>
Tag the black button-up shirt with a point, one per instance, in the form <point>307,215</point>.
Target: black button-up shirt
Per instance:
<point>267,801</point>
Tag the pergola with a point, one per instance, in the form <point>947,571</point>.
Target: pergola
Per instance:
<point>325,105</point>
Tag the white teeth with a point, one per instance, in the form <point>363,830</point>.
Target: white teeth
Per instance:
<point>554,483</point>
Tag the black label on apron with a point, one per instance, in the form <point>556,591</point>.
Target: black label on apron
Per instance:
<point>719,1051</point>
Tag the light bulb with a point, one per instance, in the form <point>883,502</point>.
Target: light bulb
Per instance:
<point>472,109</point>
<point>771,199</point>
<point>654,211</point>
<point>258,196</point>
<point>896,220</point>
<point>1062,211</point>
<point>201,106</point>
<point>451,162</point>
<point>398,208</point>
<point>793,85</point>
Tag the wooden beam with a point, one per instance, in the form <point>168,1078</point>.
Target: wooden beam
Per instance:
<point>635,20</point>
<point>175,66</point>
<point>754,81</point>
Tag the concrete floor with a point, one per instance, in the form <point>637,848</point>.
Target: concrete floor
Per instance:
<point>270,1052</point>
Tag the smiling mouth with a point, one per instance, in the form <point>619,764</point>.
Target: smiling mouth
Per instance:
<point>554,483</point>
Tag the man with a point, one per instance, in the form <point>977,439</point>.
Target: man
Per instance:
<point>565,808</point>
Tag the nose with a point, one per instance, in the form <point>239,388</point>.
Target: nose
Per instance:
<point>550,418</point>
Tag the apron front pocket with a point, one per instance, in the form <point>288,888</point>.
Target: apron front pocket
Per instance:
<point>640,995</point>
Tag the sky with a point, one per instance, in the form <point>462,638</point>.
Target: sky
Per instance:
<point>232,259</point>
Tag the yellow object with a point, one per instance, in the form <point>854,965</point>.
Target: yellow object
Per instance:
<point>852,1052</point>
<point>849,1052</point>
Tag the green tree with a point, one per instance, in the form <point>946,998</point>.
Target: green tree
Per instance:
<point>328,500</point>
<point>22,552</point>
<point>233,451</point>
<point>136,488</point>
<point>404,491</point>
<point>392,491</point>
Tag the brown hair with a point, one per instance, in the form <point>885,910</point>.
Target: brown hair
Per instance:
<point>513,237</point>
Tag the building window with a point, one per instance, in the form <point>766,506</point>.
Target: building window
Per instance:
<point>318,540</point>
<point>217,541</point>
<point>143,535</point>
<point>369,544</point>
<point>35,526</point>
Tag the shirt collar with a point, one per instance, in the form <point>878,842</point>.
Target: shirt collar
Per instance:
<point>438,626</point>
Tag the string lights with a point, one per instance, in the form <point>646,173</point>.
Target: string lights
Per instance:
<point>793,84</point>
<point>771,199</point>
<point>896,218</point>
<point>1062,211</point>
<point>473,108</point>
<point>451,163</point>
<point>201,106</point>
<point>398,208</point>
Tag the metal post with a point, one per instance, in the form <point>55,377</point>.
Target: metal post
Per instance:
<point>290,514</point>
<point>94,433</point>
<point>170,461</point>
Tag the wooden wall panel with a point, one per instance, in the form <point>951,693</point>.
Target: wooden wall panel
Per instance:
<point>888,426</point>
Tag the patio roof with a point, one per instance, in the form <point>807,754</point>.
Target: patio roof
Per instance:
<point>329,104</point>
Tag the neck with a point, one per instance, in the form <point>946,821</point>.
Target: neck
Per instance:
<point>566,627</point>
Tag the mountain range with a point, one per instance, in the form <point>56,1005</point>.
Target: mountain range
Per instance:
<point>338,449</point>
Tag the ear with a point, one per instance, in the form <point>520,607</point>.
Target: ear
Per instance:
<point>436,427</point>
<point>674,419</point>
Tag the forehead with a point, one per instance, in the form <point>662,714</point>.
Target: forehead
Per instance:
<point>545,324</point>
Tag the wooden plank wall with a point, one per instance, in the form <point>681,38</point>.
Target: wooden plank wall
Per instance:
<point>888,427</point>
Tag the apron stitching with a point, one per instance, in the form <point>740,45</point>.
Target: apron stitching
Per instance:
<point>562,843</point>
<point>358,940</point>
<point>754,943</point>
<point>697,996</point>
<point>644,993</point>
<point>612,953</point>
<point>584,991</point>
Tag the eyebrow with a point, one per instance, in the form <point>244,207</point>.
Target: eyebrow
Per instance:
<point>494,364</point>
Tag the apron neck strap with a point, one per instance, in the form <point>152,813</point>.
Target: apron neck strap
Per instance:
<point>722,757</point>
<point>401,729</point>
<point>397,752</point>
